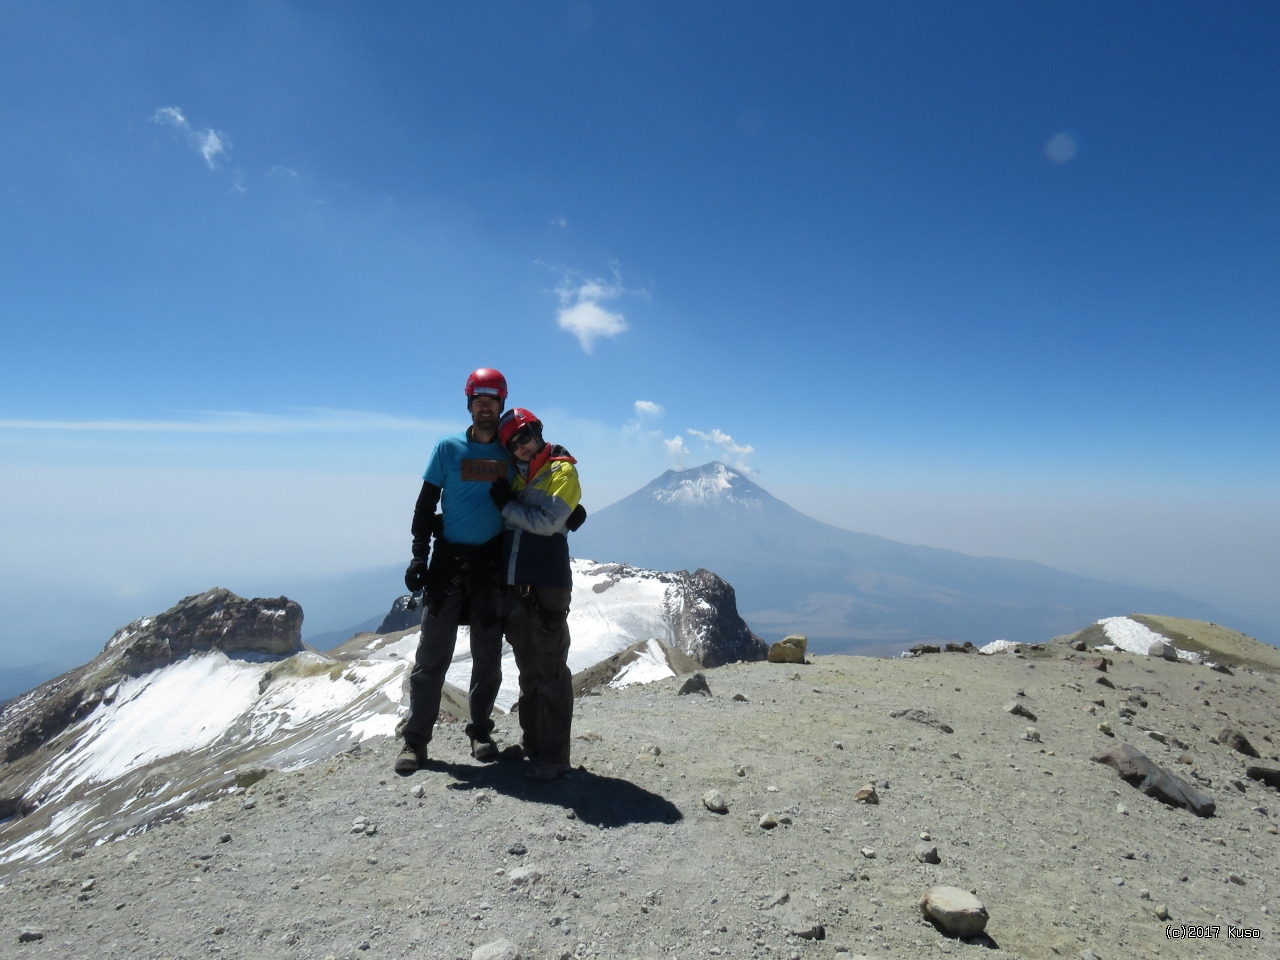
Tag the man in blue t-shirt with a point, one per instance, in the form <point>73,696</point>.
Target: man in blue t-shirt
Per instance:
<point>462,581</point>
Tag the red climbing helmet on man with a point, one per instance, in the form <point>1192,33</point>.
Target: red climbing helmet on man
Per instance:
<point>486,382</point>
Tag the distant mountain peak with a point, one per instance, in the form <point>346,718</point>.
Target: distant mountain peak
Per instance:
<point>713,484</point>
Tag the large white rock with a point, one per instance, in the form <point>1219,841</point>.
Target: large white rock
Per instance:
<point>502,949</point>
<point>956,911</point>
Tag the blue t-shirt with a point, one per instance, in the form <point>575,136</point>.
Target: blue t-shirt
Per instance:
<point>463,470</point>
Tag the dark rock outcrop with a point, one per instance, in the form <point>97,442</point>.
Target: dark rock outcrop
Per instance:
<point>214,620</point>
<point>707,623</point>
<point>401,616</point>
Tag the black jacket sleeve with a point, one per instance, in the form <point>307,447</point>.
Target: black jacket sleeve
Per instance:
<point>426,522</point>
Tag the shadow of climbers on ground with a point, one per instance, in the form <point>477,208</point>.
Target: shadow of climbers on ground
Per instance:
<point>599,801</point>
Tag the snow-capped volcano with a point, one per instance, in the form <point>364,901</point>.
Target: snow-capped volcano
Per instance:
<point>712,485</point>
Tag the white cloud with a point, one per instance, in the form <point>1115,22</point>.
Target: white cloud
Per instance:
<point>677,451</point>
<point>589,321</point>
<point>170,115</point>
<point>645,428</point>
<point>738,454</point>
<point>582,314</point>
<point>209,143</point>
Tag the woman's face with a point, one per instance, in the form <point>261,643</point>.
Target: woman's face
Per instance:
<point>523,445</point>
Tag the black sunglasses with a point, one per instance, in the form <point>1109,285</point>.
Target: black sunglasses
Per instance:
<point>525,435</point>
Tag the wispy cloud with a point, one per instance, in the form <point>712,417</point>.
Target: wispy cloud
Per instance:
<point>738,455</point>
<point>581,310</point>
<point>677,451</point>
<point>209,143</point>
<point>309,420</point>
<point>645,425</point>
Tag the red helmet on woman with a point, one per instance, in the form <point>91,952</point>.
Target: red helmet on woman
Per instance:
<point>486,382</point>
<point>515,420</point>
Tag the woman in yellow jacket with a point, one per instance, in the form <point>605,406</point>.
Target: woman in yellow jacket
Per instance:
<point>536,510</point>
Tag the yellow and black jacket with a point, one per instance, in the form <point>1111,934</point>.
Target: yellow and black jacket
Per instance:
<point>535,548</point>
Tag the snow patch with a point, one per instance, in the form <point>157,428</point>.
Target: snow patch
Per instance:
<point>650,665</point>
<point>1130,636</point>
<point>1000,646</point>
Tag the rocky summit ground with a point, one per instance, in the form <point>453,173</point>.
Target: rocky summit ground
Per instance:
<point>624,859</point>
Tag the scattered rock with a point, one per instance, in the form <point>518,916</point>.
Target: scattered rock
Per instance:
<point>30,935</point>
<point>695,683</point>
<point>502,949</point>
<point>954,911</point>
<point>1134,768</point>
<point>867,794</point>
<point>714,801</point>
<point>927,853</point>
<point>926,717</point>
<point>247,776</point>
<point>525,875</point>
<point>1019,709</point>
<point>789,650</point>
<point>1237,741</point>
<point>1267,775</point>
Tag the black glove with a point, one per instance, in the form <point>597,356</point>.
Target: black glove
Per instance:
<point>500,492</point>
<point>415,578</point>
<point>576,518</point>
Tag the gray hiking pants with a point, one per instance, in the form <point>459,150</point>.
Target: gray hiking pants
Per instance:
<point>539,637</point>
<point>435,653</point>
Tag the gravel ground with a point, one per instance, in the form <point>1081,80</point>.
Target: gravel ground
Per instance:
<point>623,859</point>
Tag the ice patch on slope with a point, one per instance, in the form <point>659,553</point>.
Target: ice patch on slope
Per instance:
<point>650,665</point>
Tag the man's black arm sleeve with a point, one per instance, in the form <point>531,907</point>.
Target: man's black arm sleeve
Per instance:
<point>425,520</point>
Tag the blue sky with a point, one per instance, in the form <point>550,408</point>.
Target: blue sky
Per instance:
<point>1000,277</point>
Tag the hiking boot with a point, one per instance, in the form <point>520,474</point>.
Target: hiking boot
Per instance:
<point>483,748</point>
<point>412,758</point>
<point>540,770</point>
